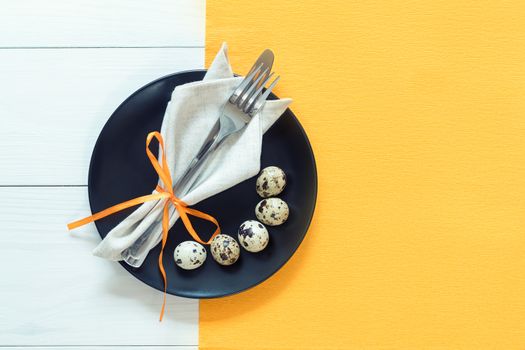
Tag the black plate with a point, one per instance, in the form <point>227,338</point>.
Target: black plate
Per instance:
<point>120,170</point>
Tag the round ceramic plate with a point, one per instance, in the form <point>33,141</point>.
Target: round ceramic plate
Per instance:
<point>120,170</point>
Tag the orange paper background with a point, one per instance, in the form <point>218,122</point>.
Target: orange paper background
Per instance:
<point>416,113</point>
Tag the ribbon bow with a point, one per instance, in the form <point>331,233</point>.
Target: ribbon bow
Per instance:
<point>163,192</point>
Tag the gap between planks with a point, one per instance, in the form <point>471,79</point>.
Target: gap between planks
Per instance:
<point>139,346</point>
<point>96,47</point>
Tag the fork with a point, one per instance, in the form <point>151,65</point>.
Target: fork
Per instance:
<point>245,102</point>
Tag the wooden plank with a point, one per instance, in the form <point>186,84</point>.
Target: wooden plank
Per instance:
<point>53,104</point>
<point>102,23</point>
<point>54,292</point>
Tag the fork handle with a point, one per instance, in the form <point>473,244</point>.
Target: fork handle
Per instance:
<point>211,143</point>
<point>183,185</point>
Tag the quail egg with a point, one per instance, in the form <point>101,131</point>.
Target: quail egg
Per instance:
<point>270,182</point>
<point>189,255</point>
<point>253,236</point>
<point>272,211</point>
<point>225,249</point>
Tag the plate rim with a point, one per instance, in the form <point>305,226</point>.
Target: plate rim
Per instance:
<point>131,269</point>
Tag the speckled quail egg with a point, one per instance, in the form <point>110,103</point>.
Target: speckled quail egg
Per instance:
<point>225,249</point>
<point>253,236</point>
<point>189,255</point>
<point>272,211</point>
<point>270,182</point>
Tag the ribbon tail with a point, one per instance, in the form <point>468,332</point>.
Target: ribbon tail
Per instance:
<point>184,211</point>
<point>116,208</point>
<point>165,231</point>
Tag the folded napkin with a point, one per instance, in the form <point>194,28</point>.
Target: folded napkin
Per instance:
<point>190,115</point>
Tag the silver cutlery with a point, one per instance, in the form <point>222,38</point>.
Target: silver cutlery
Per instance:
<point>245,102</point>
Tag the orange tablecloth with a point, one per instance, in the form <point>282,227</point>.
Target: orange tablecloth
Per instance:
<point>416,113</point>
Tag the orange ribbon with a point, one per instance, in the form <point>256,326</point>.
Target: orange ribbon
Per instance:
<point>164,192</point>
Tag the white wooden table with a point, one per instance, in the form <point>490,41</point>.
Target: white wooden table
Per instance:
<point>64,67</point>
